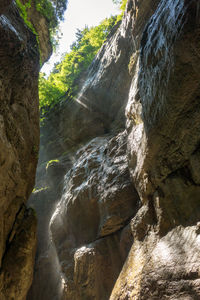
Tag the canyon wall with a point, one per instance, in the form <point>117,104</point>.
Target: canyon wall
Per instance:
<point>118,184</point>
<point>19,144</point>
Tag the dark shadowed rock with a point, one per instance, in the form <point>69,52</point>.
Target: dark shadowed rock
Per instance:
<point>19,143</point>
<point>98,200</point>
<point>4,5</point>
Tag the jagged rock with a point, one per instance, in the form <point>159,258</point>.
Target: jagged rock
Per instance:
<point>19,143</point>
<point>163,122</point>
<point>168,67</point>
<point>98,200</point>
<point>100,104</point>
<point>41,26</point>
<point>96,268</point>
<point>152,61</point>
<point>17,266</point>
<point>165,268</point>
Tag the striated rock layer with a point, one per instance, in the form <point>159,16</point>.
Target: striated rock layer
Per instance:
<point>19,143</point>
<point>123,223</point>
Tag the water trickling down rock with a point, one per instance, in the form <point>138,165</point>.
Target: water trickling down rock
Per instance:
<point>123,220</point>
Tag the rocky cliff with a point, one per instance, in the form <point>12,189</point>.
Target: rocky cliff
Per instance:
<point>19,144</point>
<point>118,202</point>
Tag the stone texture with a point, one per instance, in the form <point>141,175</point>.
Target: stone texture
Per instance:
<point>96,267</point>
<point>163,121</point>
<point>98,200</point>
<point>4,5</point>
<point>166,268</point>
<point>17,266</point>
<point>41,26</point>
<point>174,101</point>
<point>109,243</point>
<point>19,143</point>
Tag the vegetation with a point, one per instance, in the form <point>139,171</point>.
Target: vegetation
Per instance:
<point>24,13</point>
<point>51,162</point>
<point>63,81</point>
<point>122,6</point>
<point>37,190</point>
<point>52,10</point>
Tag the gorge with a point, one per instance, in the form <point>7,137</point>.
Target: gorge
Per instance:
<point>117,197</point>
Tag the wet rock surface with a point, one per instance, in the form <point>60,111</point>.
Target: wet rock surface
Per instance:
<point>99,193</point>
<point>162,121</point>
<point>125,222</point>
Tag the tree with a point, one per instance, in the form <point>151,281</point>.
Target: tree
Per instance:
<point>65,75</point>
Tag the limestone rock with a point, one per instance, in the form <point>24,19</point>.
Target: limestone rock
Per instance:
<point>151,60</point>
<point>167,112</point>
<point>163,121</point>
<point>98,200</point>
<point>166,268</point>
<point>19,143</point>
<point>96,268</point>
<point>41,26</point>
<point>17,267</point>
<point>67,128</point>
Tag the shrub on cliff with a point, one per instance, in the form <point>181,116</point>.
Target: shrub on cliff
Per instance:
<point>52,10</point>
<point>122,6</point>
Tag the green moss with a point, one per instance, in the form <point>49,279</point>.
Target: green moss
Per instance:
<point>23,9</point>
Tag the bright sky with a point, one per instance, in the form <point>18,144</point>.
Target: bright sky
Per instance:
<point>78,14</point>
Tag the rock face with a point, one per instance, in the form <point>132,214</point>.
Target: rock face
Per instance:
<point>163,122</point>
<point>19,143</point>
<point>124,220</point>
<point>41,26</point>
<point>99,200</point>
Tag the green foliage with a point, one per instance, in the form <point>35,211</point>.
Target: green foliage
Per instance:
<point>63,81</point>
<point>37,190</point>
<point>23,9</point>
<point>46,8</point>
<point>51,162</point>
<point>52,10</point>
<point>122,5</point>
